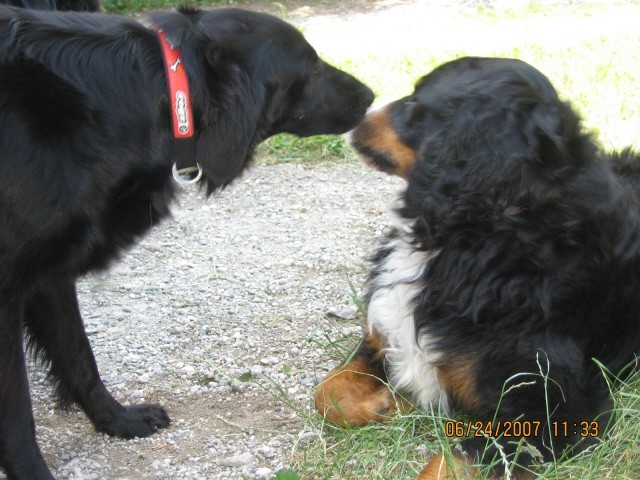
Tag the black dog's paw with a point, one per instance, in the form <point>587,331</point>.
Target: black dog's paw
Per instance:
<point>133,421</point>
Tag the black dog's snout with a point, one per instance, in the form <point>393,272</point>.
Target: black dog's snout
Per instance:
<point>366,97</point>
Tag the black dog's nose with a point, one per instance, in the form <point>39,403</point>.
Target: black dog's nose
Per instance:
<point>367,97</point>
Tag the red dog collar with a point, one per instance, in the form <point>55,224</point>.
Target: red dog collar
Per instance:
<point>182,116</point>
<point>181,112</point>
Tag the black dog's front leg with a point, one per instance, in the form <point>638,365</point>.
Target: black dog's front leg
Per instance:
<point>57,333</point>
<point>19,453</point>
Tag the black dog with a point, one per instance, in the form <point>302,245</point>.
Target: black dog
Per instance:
<point>86,153</point>
<point>62,5</point>
<point>514,267</point>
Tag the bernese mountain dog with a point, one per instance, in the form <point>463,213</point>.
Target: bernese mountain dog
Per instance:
<point>509,286</point>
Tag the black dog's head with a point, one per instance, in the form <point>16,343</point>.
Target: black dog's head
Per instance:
<point>262,75</point>
<point>299,92</point>
<point>482,132</point>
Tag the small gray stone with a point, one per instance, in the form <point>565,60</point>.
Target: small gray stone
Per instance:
<point>264,472</point>
<point>346,313</point>
<point>240,460</point>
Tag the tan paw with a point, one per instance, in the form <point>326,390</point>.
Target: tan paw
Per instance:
<point>440,468</point>
<point>352,395</point>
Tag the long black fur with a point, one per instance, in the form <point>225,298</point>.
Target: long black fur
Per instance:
<point>86,151</point>
<point>537,234</point>
<point>62,5</point>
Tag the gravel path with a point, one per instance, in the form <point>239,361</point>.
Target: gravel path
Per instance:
<point>232,287</point>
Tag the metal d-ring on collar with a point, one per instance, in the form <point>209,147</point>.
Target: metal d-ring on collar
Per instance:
<point>184,176</point>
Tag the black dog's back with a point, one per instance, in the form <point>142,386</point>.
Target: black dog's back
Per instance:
<point>62,5</point>
<point>66,85</point>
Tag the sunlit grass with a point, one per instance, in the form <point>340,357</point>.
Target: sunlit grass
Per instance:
<point>589,49</point>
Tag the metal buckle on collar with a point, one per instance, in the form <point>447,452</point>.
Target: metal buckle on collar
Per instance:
<point>185,176</point>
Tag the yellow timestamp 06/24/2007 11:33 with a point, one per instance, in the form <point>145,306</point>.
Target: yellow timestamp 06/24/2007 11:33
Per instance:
<point>520,428</point>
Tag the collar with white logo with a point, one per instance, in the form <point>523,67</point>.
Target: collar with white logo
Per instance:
<point>181,112</point>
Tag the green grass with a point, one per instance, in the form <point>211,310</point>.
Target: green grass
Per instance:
<point>399,449</point>
<point>134,6</point>
<point>291,149</point>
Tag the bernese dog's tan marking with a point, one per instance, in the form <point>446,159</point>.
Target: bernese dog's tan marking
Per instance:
<point>441,468</point>
<point>459,467</point>
<point>457,378</point>
<point>384,149</point>
<point>352,395</point>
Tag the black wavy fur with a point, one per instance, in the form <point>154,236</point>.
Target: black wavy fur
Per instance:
<point>538,240</point>
<point>61,5</point>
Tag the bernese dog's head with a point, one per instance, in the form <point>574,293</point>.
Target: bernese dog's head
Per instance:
<point>478,136</point>
<point>495,104</point>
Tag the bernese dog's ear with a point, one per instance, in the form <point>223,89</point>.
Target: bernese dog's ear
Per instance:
<point>550,127</point>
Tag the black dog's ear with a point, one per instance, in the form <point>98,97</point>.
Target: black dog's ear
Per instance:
<point>213,53</point>
<point>229,131</point>
<point>210,47</point>
<point>220,37</point>
<point>230,115</point>
<point>227,101</point>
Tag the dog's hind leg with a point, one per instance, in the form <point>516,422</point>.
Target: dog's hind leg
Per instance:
<point>56,330</point>
<point>19,453</point>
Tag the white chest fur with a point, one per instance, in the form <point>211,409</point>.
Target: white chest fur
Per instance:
<point>394,287</point>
